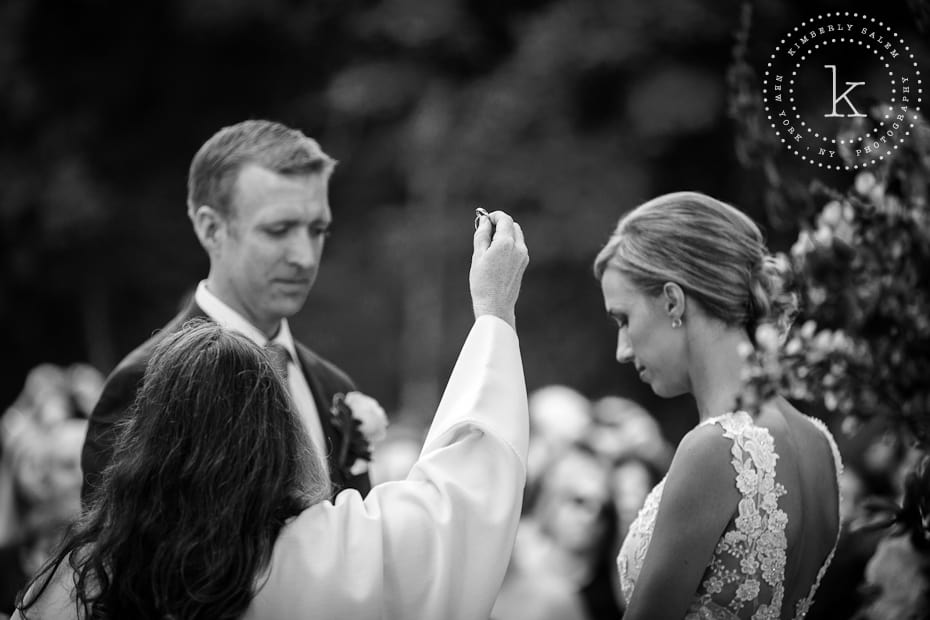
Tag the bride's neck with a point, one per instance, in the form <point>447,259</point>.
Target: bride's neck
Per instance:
<point>716,369</point>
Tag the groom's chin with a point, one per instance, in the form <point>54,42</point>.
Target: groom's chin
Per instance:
<point>286,307</point>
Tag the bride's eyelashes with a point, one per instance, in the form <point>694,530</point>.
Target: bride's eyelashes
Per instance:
<point>617,320</point>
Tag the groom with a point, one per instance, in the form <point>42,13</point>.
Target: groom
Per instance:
<point>257,197</point>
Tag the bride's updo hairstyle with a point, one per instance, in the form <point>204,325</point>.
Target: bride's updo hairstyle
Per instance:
<point>713,251</point>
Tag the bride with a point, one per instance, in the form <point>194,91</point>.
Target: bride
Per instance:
<point>745,523</point>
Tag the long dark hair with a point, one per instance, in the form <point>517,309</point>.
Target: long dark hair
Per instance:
<point>208,468</point>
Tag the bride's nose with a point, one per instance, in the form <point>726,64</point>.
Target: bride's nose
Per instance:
<point>624,349</point>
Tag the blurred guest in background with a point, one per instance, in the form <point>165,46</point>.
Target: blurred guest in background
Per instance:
<point>624,428</point>
<point>559,417</point>
<point>47,468</point>
<point>631,479</point>
<point>564,555</point>
<point>40,476</point>
<point>257,198</point>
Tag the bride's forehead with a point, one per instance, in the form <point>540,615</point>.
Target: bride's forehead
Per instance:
<point>619,289</point>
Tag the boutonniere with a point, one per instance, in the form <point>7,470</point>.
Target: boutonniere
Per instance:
<point>361,423</point>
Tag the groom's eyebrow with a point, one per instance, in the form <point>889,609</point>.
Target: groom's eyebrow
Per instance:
<point>295,221</point>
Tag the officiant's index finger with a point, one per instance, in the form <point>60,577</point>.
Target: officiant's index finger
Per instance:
<point>503,225</point>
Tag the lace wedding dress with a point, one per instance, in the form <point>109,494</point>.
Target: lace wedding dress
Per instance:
<point>746,574</point>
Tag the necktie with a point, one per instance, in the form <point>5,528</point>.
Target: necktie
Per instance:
<point>280,356</point>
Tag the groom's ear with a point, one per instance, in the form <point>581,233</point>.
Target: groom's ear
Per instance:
<point>208,225</point>
<point>673,300</point>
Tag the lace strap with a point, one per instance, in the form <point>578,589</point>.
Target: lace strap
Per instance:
<point>752,555</point>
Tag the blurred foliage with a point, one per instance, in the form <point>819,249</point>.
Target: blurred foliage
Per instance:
<point>861,345</point>
<point>565,113</point>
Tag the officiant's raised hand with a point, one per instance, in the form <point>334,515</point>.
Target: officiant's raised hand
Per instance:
<point>497,266</point>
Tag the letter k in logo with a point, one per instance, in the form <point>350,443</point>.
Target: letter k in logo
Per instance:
<point>844,96</point>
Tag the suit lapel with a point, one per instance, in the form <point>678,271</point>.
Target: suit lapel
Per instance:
<point>322,397</point>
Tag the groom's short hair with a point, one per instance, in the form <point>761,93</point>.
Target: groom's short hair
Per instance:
<point>271,145</point>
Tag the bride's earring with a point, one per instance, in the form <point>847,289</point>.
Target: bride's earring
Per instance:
<point>676,323</point>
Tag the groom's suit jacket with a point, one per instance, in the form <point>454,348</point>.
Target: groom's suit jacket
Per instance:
<point>119,392</point>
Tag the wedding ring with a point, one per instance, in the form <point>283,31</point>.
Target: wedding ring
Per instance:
<point>479,213</point>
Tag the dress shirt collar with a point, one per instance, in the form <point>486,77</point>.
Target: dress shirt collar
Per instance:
<point>220,312</point>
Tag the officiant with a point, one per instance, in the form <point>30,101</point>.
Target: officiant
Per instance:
<point>215,507</point>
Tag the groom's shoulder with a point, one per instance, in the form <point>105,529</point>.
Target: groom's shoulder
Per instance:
<point>136,360</point>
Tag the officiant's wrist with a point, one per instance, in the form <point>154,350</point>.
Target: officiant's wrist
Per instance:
<point>508,317</point>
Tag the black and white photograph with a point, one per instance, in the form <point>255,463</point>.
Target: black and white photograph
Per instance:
<point>464,310</point>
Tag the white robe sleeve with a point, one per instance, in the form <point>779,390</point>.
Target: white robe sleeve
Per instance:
<point>436,545</point>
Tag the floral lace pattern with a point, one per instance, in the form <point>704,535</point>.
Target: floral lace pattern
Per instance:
<point>749,562</point>
<point>633,550</point>
<point>746,574</point>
